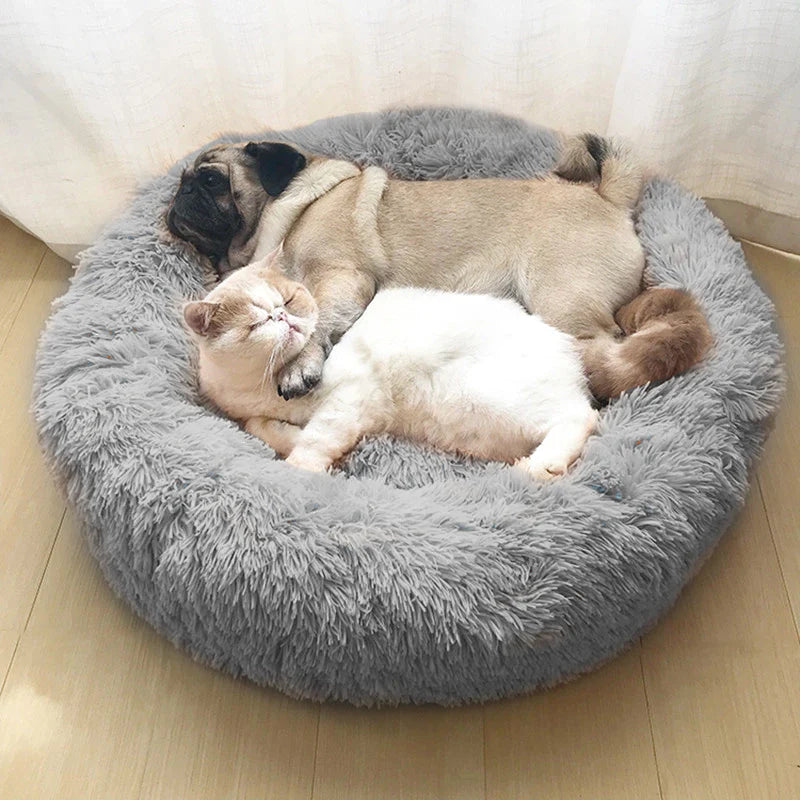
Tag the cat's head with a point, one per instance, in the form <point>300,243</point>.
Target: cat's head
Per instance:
<point>257,314</point>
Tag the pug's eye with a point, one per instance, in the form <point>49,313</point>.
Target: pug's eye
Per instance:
<point>212,180</point>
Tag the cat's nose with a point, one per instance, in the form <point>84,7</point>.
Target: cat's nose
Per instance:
<point>281,317</point>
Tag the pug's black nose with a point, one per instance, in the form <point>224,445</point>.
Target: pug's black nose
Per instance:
<point>187,187</point>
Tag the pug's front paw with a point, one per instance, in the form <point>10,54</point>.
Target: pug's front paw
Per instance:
<point>302,374</point>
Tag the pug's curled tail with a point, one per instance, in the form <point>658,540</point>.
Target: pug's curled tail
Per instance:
<point>666,333</point>
<point>608,163</point>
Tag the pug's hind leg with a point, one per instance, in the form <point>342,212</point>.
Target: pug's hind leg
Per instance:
<point>280,436</point>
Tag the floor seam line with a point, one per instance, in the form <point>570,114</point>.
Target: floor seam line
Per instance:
<point>786,592</point>
<point>483,732</point>
<point>22,301</point>
<point>650,720</point>
<point>316,751</point>
<point>44,571</point>
<point>10,665</point>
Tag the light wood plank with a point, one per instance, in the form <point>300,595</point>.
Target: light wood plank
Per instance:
<point>75,714</point>
<point>31,506</point>
<point>8,643</point>
<point>421,753</point>
<point>587,739</point>
<point>217,737</point>
<point>779,471</point>
<point>726,723</point>
<point>209,736</point>
<point>721,673</point>
<point>759,255</point>
<point>73,591</point>
<point>20,256</point>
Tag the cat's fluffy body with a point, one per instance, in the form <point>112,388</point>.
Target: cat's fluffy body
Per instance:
<point>471,374</point>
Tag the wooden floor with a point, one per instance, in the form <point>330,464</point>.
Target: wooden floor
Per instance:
<point>94,704</point>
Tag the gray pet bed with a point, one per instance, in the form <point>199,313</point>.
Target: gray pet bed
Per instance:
<point>411,576</point>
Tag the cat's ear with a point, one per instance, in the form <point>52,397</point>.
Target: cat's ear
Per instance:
<point>274,257</point>
<point>198,315</point>
<point>272,260</point>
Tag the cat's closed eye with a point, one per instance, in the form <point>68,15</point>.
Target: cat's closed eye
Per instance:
<point>260,315</point>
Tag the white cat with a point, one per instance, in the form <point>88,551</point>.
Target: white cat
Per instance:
<point>471,374</point>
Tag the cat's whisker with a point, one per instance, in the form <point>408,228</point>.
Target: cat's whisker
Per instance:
<point>269,367</point>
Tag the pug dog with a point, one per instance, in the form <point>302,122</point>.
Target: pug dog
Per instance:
<point>562,245</point>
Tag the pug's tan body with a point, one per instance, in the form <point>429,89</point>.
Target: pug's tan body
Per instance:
<point>566,251</point>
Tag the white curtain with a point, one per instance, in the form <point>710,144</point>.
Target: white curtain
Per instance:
<point>97,95</point>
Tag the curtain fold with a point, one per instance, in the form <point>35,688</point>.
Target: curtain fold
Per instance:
<point>98,96</point>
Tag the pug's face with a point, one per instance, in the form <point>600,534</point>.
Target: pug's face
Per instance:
<point>222,195</point>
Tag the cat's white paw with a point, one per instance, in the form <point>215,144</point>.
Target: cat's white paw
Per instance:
<point>541,469</point>
<point>312,462</point>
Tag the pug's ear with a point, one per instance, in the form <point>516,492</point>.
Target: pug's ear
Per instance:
<point>277,164</point>
<point>198,316</point>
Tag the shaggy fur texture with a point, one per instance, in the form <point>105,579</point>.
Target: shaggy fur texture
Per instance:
<point>411,576</point>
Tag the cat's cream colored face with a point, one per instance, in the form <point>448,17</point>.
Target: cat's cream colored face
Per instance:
<point>256,313</point>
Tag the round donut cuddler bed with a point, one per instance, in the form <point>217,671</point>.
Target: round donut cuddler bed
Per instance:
<point>408,575</point>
